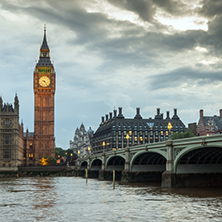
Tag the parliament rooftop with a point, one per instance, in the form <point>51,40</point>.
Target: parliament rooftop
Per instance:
<point>116,132</point>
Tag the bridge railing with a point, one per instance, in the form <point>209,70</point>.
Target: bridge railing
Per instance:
<point>158,145</point>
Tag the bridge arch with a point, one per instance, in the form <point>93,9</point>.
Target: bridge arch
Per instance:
<point>96,164</point>
<point>148,161</point>
<point>83,165</point>
<point>115,162</point>
<point>199,159</point>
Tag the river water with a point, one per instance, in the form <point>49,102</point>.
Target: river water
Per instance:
<point>71,199</point>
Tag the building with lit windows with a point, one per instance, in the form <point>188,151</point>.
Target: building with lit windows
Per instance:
<point>114,128</point>
<point>209,125</point>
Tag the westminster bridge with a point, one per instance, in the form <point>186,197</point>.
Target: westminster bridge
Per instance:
<point>195,161</point>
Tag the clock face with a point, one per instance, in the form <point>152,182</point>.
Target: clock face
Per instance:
<point>44,81</point>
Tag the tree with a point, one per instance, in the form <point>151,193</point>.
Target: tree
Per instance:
<point>70,156</point>
<point>59,151</point>
<point>188,133</point>
<point>47,161</point>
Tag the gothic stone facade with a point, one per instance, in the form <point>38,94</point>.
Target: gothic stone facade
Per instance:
<point>11,137</point>
<point>82,142</point>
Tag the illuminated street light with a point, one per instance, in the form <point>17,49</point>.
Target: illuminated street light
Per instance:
<point>127,138</point>
<point>104,144</point>
<point>88,149</point>
<point>169,126</point>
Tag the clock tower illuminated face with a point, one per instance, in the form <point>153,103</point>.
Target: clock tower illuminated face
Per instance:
<point>44,91</point>
<point>44,81</point>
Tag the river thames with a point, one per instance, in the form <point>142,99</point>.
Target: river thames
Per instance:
<point>71,199</point>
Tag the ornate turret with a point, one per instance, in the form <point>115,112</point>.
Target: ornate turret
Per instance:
<point>7,108</point>
<point>1,105</point>
<point>16,103</point>
<point>44,50</point>
<point>82,127</point>
<point>44,58</point>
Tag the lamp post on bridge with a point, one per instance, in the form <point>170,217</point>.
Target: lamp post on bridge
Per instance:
<point>88,150</point>
<point>127,156</point>
<point>127,138</point>
<point>169,126</point>
<point>104,146</point>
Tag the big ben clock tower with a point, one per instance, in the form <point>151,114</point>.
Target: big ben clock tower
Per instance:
<point>44,91</point>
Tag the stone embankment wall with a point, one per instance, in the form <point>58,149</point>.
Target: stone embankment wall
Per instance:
<point>52,171</point>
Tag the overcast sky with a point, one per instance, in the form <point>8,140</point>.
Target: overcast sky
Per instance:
<point>114,53</point>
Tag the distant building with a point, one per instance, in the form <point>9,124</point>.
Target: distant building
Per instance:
<point>112,131</point>
<point>29,148</point>
<point>193,128</point>
<point>11,136</point>
<point>82,142</point>
<point>209,125</point>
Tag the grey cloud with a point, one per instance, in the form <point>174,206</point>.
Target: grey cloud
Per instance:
<point>210,8</point>
<point>143,8</point>
<point>87,26</point>
<point>133,46</point>
<point>174,7</point>
<point>147,49</point>
<point>184,75</point>
<point>146,9</point>
<point>213,11</point>
<point>212,38</point>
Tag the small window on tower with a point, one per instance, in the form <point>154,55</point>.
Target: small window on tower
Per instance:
<point>7,139</point>
<point>6,154</point>
<point>7,122</point>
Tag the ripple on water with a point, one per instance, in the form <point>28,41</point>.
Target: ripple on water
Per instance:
<point>71,199</point>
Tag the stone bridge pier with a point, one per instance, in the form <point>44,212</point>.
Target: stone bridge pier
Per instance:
<point>168,176</point>
<point>102,172</point>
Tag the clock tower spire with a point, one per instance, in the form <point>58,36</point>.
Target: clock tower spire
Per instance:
<point>44,50</point>
<point>44,91</point>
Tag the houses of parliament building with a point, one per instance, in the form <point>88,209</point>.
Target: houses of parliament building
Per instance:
<point>19,148</point>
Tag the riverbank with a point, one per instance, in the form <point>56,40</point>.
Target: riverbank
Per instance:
<point>176,180</point>
<point>39,171</point>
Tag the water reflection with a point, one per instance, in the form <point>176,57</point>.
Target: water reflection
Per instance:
<point>71,199</point>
